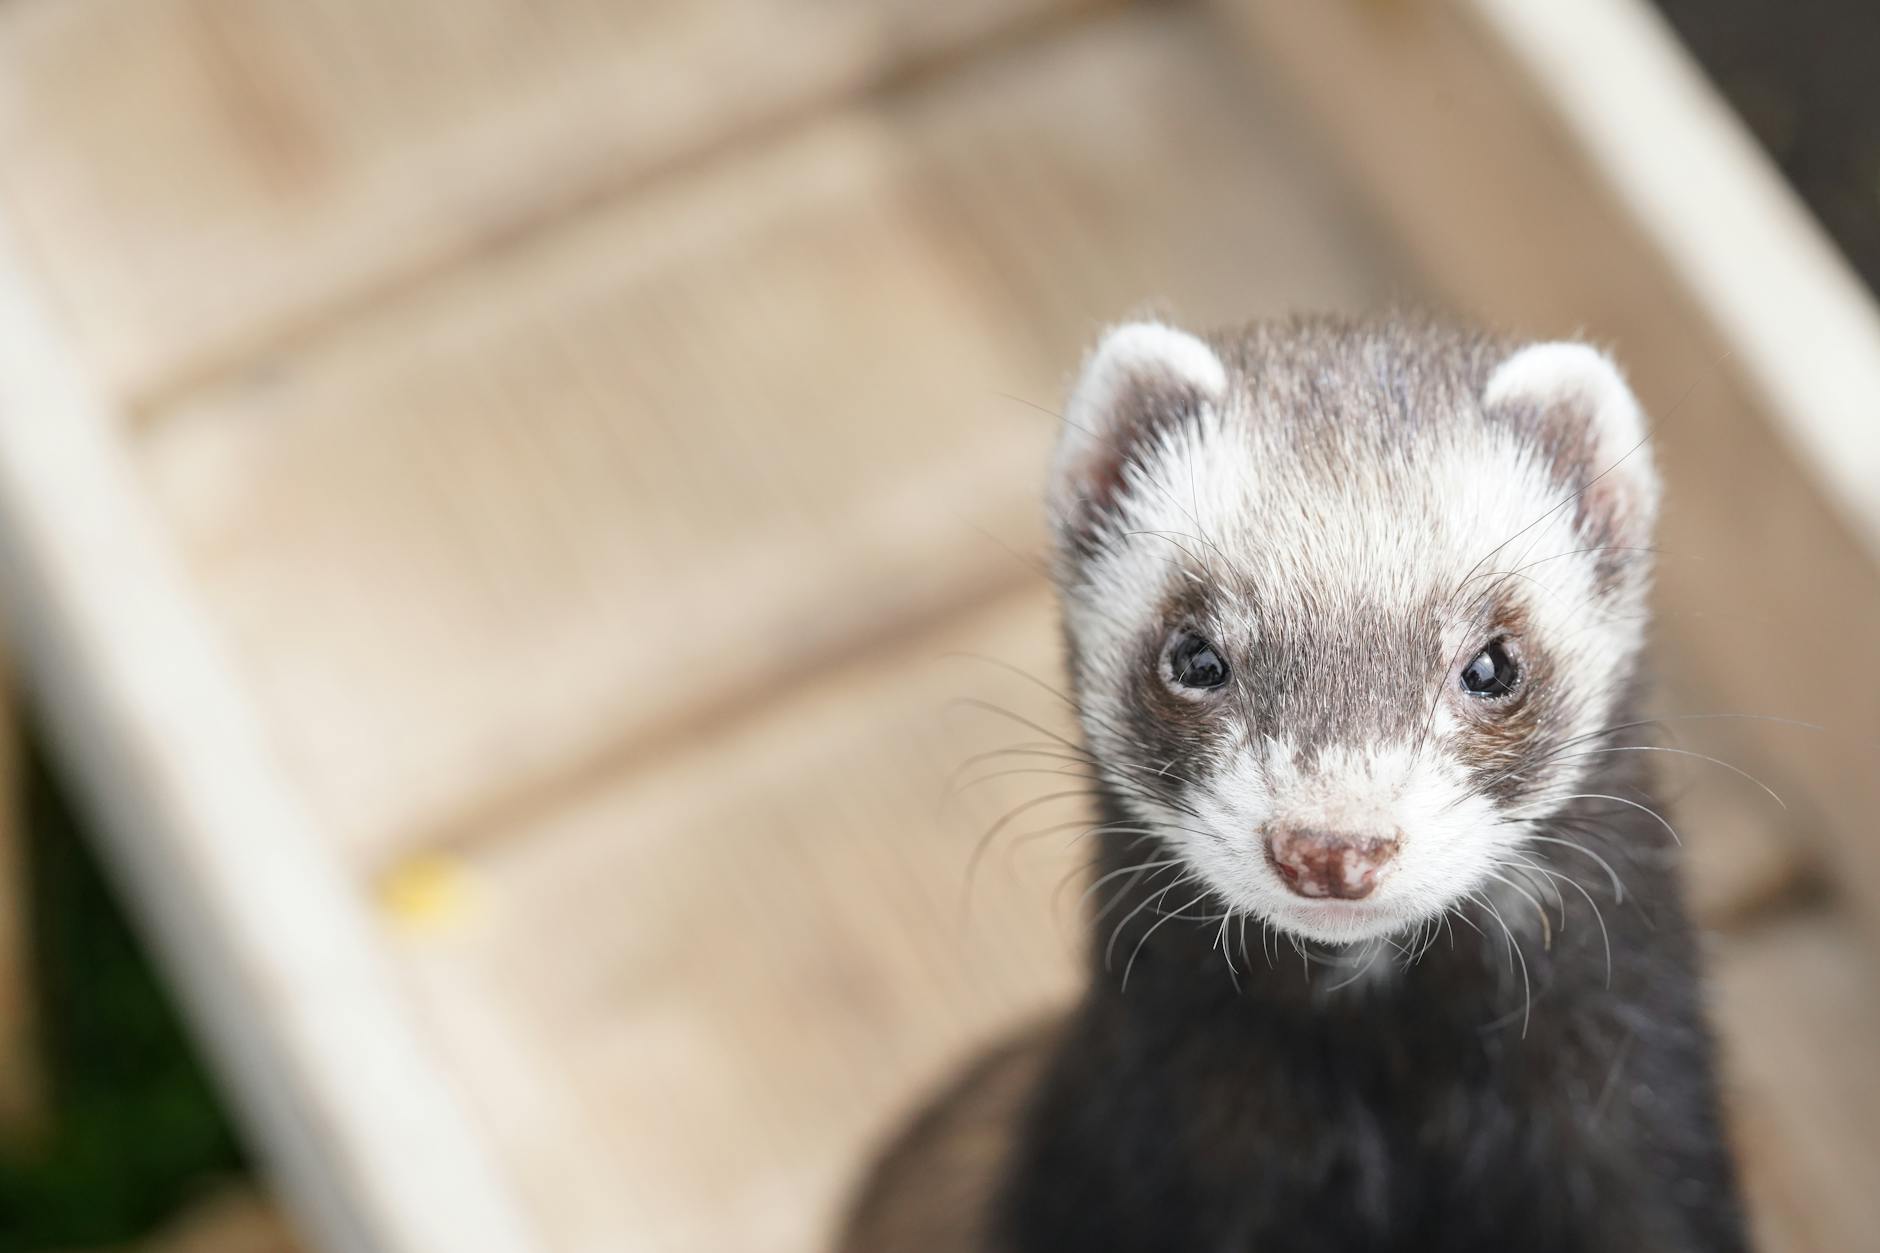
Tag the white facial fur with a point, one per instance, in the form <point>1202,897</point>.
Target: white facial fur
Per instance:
<point>1352,513</point>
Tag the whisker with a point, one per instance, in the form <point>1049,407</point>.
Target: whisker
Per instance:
<point>1599,916</point>
<point>1124,786</point>
<point>1086,715</point>
<point>1527,988</point>
<point>1359,973</point>
<point>1547,926</point>
<point>1618,885</point>
<point>1100,828</point>
<point>1156,926</point>
<point>1607,796</point>
<point>1685,752</point>
<point>1148,902</point>
<point>1138,869</point>
<point>986,706</point>
<point>1057,894</point>
<point>1004,821</point>
<point>1029,748</point>
<point>1220,943</point>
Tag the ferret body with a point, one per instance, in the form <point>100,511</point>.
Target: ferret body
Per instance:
<point>1386,949</point>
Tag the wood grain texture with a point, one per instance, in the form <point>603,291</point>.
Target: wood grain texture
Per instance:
<point>690,1000</point>
<point>568,502</point>
<point>201,176</point>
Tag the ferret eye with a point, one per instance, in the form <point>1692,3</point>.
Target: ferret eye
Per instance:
<point>1195,663</point>
<point>1493,673</point>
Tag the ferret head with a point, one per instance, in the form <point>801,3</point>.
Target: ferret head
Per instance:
<point>1343,601</point>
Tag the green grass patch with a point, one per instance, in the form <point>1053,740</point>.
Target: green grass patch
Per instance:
<point>135,1128</point>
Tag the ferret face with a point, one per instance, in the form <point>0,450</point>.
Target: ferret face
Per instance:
<point>1349,608</point>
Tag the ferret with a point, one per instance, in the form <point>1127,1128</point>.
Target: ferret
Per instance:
<point>1386,949</point>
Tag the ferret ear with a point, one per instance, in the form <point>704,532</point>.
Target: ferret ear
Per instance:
<point>1575,399</point>
<point>1140,377</point>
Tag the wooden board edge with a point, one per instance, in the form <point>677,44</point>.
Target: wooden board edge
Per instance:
<point>1797,320</point>
<point>271,948</point>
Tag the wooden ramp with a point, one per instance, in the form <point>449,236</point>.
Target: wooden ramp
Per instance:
<point>501,502</point>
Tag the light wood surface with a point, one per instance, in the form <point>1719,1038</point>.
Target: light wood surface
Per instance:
<point>494,489</point>
<point>534,517</point>
<point>198,178</point>
<point>687,998</point>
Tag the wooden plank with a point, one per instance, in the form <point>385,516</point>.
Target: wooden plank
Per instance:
<point>271,948</point>
<point>197,177</point>
<point>606,489</point>
<point>1523,199</point>
<point>690,999</point>
<point>1798,1003</point>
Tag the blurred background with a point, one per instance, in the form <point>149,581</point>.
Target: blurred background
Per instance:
<point>506,507</point>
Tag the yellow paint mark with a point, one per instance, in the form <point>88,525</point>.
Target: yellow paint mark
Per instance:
<point>428,892</point>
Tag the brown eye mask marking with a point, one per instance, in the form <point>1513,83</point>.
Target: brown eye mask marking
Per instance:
<point>1179,730</point>
<point>1505,720</point>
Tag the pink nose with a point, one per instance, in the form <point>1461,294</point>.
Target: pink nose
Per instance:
<point>1329,863</point>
